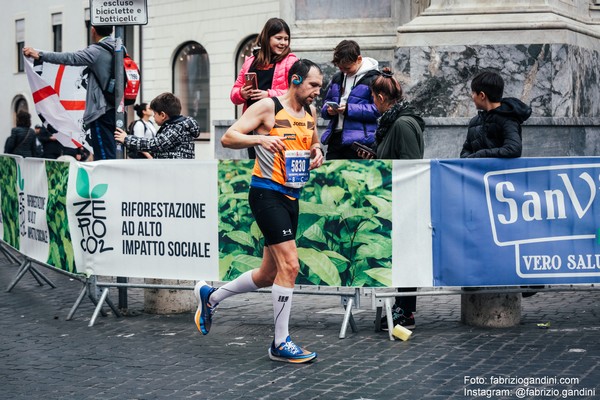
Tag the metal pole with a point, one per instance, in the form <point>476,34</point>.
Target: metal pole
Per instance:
<point>119,86</point>
<point>98,307</point>
<point>84,290</point>
<point>120,122</point>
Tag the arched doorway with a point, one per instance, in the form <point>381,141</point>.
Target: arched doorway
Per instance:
<point>191,84</point>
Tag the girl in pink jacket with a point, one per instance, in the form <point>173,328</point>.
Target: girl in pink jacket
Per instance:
<point>271,63</point>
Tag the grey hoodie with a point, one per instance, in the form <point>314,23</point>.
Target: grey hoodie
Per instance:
<point>100,62</point>
<point>348,82</point>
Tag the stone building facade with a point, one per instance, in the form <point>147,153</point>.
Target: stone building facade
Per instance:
<point>547,51</point>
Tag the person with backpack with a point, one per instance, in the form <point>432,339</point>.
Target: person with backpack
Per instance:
<point>142,128</point>
<point>99,115</point>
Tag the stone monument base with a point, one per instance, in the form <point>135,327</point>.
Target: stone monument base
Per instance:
<point>169,301</point>
<point>491,310</point>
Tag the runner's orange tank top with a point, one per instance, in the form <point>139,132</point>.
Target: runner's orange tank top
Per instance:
<point>297,133</point>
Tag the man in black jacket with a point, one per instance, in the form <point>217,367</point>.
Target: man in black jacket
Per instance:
<point>496,130</point>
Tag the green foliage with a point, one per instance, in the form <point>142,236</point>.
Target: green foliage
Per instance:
<point>10,200</point>
<point>61,248</point>
<point>344,230</point>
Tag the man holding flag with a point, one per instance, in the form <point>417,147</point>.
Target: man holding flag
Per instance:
<point>99,115</point>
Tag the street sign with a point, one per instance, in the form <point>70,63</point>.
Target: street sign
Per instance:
<point>119,12</point>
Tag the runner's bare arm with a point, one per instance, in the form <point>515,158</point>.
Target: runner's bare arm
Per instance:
<point>260,117</point>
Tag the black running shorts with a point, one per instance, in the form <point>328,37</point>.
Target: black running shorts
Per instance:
<point>275,213</point>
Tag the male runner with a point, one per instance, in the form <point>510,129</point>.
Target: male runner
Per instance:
<point>287,147</point>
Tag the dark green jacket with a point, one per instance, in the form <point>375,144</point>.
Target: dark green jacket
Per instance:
<point>404,139</point>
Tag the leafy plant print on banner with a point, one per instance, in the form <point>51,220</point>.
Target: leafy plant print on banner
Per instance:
<point>61,247</point>
<point>10,201</point>
<point>344,230</point>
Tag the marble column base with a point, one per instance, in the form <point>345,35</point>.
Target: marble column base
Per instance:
<point>493,310</point>
<point>169,301</point>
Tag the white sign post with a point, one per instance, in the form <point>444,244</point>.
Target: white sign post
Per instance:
<point>119,12</point>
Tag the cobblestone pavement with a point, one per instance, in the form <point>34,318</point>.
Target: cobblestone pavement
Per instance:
<point>143,356</point>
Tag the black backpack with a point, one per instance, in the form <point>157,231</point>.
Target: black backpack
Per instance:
<point>132,124</point>
<point>130,132</point>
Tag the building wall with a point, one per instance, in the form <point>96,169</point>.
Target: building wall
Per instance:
<point>548,50</point>
<point>547,53</point>
<point>218,26</point>
<point>38,34</point>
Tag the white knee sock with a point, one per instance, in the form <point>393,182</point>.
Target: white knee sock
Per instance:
<point>282,305</point>
<point>241,284</point>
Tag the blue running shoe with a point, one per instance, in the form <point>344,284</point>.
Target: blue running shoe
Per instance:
<point>205,311</point>
<point>288,351</point>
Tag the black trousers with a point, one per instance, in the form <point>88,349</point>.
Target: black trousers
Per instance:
<point>102,136</point>
<point>407,303</point>
<point>335,150</point>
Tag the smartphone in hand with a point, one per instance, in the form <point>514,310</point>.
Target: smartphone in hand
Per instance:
<point>359,146</point>
<point>250,80</point>
<point>333,105</point>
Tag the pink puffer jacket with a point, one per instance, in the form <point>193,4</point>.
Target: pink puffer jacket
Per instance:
<point>280,79</point>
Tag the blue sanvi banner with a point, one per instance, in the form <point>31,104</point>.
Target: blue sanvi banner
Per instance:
<point>515,222</point>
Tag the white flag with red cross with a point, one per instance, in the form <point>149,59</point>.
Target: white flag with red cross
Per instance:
<point>59,95</point>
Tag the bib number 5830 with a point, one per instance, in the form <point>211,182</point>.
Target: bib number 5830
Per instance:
<point>298,165</point>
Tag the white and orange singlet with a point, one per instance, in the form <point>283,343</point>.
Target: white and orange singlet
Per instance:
<point>286,171</point>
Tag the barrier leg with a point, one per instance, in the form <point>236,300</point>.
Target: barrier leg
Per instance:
<point>348,303</point>
<point>11,257</point>
<point>39,281</point>
<point>357,303</point>
<point>23,268</point>
<point>388,313</point>
<point>378,319</point>
<point>98,308</point>
<point>122,293</point>
<point>94,299</point>
<point>78,301</point>
<point>27,265</point>
<point>347,316</point>
<point>353,325</point>
<point>36,273</point>
<point>113,308</point>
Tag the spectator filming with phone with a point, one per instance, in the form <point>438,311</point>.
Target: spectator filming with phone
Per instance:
<point>265,73</point>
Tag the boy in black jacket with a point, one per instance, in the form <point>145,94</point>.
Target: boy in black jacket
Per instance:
<point>496,130</point>
<point>174,139</point>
